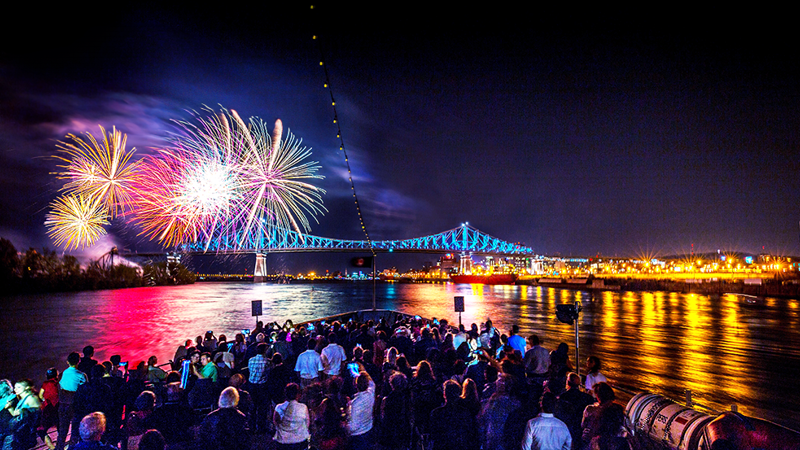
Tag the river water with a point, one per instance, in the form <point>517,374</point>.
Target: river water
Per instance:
<point>727,351</point>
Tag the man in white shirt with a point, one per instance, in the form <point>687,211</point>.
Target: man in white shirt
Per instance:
<point>309,365</point>
<point>359,413</point>
<point>332,356</point>
<point>545,431</point>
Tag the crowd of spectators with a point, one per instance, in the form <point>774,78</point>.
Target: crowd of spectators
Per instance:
<point>412,383</point>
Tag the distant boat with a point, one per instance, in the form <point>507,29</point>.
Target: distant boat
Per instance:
<point>495,278</point>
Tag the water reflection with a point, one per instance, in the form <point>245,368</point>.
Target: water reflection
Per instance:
<point>726,350</point>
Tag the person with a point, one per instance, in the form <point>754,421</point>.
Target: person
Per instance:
<point>71,379</point>
<point>333,356</point>
<point>152,440</point>
<point>330,433</point>
<point>93,396</point>
<point>140,421</point>
<point>309,365</point>
<point>593,375</point>
<point>20,430</point>
<point>174,417</point>
<point>359,413</point>
<point>86,363</point>
<point>593,422</point>
<point>496,411</point>
<point>155,374</point>
<point>395,414</point>
<point>258,368</point>
<point>516,341</point>
<point>570,406</point>
<point>208,370</point>
<point>225,428</point>
<point>279,377</point>
<point>545,431</point>
<point>291,421</point>
<point>91,429</point>
<point>48,394</point>
<point>452,425</point>
<point>425,395</point>
<point>536,361</point>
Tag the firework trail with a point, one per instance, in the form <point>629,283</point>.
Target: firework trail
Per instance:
<point>76,221</point>
<point>102,171</point>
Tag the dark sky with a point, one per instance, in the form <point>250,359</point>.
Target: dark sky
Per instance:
<point>573,136</point>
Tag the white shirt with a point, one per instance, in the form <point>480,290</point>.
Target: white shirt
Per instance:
<point>294,422</point>
<point>545,432</point>
<point>309,364</point>
<point>592,379</point>
<point>332,357</point>
<point>359,411</point>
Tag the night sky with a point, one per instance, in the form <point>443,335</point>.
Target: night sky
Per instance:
<point>572,136</point>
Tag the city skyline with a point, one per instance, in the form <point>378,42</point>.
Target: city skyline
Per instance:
<point>571,139</point>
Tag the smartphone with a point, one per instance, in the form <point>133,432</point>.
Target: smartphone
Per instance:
<point>353,368</point>
<point>310,327</point>
<point>123,364</point>
<point>246,332</point>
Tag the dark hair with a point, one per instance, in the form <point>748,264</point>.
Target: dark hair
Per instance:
<point>548,402</point>
<point>152,440</point>
<point>88,351</point>
<point>312,344</point>
<point>277,358</point>
<point>603,392</point>
<point>424,371</point>
<point>362,382</point>
<point>596,364</point>
<point>98,371</point>
<point>291,391</point>
<point>115,359</point>
<point>452,390</point>
<point>146,401</point>
<point>261,349</point>
<point>534,339</point>
<point>52,373</point>
<point>73,359</point>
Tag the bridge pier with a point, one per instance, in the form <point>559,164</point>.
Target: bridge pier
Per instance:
<point>260,271</point>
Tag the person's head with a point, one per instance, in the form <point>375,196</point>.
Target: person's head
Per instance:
<point>593,364</point>
<point>97,371</point>
<point>23,386</point>
<point>277,358</point>
<point>115,360</point>
<point>236,380</point>
<point>603,392</point>
<point>174,392</point>
<point>152,361</point>
<point>312,344</point>
<point>194,357</point>
<point>239,338</point>
<point>146,401</point>
<point>358,353</point>
<point>291,391</point>
<point>93,426</point>
<point>260,337</point>
<point>229,397</point>
<point>152,440</point>
<point>533,340</point>
<point>573,380</point>
<point>469,390</point>
<point>424,371</point>
<point>452,391</point>
<point>88,351</point>
<point>331,338</point>
<point>362,382</point>
<point>205,358</point>
<point>52,373</point>
<point>391,355</point>
<point>73,359</point>
<point>548,402</point>
<point>261,349</point>
<point>398,381</point>
<point>109,367</point>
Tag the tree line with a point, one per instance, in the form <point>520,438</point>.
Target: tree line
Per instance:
<point>46,271</point>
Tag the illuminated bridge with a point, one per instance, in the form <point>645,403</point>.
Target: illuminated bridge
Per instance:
<point>463,239</point>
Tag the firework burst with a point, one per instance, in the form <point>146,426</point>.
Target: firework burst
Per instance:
<point>228,183</point>
<point>100,170</point>
<point>76,221</point>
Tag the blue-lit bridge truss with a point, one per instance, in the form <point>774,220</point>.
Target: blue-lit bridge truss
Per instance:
<point>458,240</point>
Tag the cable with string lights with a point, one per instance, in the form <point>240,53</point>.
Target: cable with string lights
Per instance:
<point>327,86</point>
